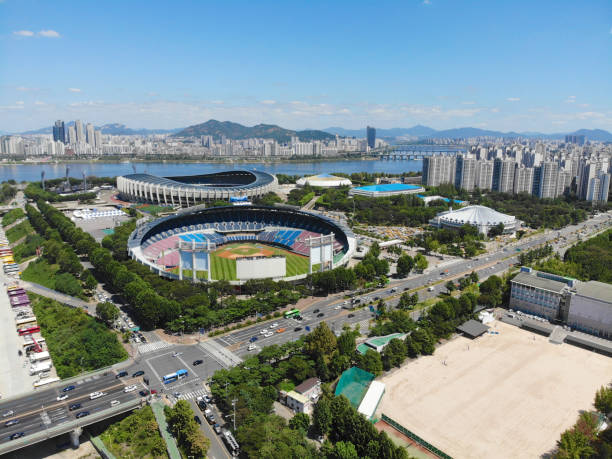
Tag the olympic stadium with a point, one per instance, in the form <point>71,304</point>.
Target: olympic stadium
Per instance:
<point>185,191</point>
<point>238,243</point>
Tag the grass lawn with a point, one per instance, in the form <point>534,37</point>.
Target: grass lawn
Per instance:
<point>187,273</point>
<point>41,272</point>
<point>225,268</point>
<point>27,249</point>
<point>12,216</point>
<point>19,231</point>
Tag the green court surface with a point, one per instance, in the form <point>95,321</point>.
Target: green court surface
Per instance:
<point>224,268</point>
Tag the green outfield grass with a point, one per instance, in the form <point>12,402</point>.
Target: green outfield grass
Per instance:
<point>225,268</point>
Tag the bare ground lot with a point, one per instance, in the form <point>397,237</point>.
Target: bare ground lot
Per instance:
<point>508,395</point>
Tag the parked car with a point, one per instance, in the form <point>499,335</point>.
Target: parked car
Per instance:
<point>144,392</point>
<point>121,374</point>
<point>315,311</point>
<point>320,314</point>
<point>297,329</point>
<point>350,316</point>
<point>197,419</point>
<point>217,428</point>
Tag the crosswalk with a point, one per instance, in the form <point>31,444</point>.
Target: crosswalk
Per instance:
<point>154,346</point>
<point>364,325</point>
<point>192,395</point>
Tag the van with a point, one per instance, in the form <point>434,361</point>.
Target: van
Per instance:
<point>430,288</point>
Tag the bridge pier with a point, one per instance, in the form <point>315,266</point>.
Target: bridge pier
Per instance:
<point>74,437</point>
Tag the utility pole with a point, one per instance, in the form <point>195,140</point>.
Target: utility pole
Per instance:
<point>234,416</point>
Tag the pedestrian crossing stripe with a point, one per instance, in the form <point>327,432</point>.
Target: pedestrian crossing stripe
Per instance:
<point>192,395</point>
<point>150,347</point>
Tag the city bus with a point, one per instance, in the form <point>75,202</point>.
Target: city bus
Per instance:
<point>28,330</point>
<point>179,374</point>
<point>292,313</point>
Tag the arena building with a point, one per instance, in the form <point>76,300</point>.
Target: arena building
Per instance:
<point>385,190</point>
<point>324,181</point>
<point>190,190</point>
<point>238,243</point>
<point>481,217</point>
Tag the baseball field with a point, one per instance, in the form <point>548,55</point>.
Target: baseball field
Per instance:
<point>223,260</point>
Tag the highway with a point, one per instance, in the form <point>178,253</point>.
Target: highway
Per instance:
<point>39,410</point>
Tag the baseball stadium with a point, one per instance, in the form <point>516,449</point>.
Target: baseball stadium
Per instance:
<point>190,190</point>
<point>238,243</point>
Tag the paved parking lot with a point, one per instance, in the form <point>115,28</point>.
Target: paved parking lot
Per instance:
<point>96,226</point>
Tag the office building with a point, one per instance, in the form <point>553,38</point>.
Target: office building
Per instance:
<point>542,294</point>
<point>503,175</point>
<point>575,139</point>
<point>590,308</point>
<point>59,134</point>
<point>465,174</point>
<point>371,136</point>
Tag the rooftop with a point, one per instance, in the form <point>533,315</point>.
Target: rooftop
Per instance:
<point>532,280</point>
<point>386,187</point>
<point>476,215</point>
<point>596,290</point>
<point>472,328</point>
<point>296,396</point>
<point>307,385</point>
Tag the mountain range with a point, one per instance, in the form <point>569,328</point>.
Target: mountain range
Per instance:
<point>421,132</point>
<point>230,130</point>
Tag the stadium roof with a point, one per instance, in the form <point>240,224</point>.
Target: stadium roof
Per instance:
<point>596,290</point>
<point>209,181</point>
<point>477,215</point>
<point>472,328</point>
<point>324,180</point>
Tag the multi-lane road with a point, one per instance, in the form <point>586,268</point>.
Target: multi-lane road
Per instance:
<point>40,410</point>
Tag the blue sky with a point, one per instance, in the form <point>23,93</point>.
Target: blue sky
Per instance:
<point>519,65</point>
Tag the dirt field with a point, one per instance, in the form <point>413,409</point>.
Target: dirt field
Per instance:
<point>244,250</point>
<point>505,396</point>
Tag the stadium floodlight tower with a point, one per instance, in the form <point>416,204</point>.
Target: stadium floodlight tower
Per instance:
<point>321,252</point>
<point>195,256</point>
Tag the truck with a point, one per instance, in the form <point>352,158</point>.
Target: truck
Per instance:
<point>39,356</point>
<point>39,367</point>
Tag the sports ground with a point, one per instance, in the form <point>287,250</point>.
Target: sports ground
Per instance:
<point>505,395</point>
<point>223,260</point>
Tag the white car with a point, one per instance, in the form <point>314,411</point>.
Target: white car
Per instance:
<point>264,331</point>
<point>8,413</point>
<point>131,388</point>
<point>252,347</point>
<point>95,395</point>
<point>337,307</point>
<point>274,325</point>
<point>62,397</point>
<point>267,335</point>
<point>115,402</point>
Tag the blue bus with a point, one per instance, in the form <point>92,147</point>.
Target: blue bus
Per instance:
<point>179,374</point>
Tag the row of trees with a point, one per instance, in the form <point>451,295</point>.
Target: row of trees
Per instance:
<point>185,429</point>
<point>35,192</point>
<point>406,263</point>
<point>7,192</point>
<point>532,255</point>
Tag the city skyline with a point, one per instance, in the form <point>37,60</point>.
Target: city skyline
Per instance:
<point>521,67</point>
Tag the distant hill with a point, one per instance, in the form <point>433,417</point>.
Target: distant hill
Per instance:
<point>415,131</point>
<point>594,134</point>
<point>111,129</point>
<point>218,129</point>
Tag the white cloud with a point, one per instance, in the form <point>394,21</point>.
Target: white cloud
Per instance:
<point>570,99</point>
<point>268,102</point>
<point>495,110</point>
<point>468,102</point>
<point>25,89</point>
<point>426,2</point>
<point>48,34</point>
<point>74,90</point>
<point>38,102</point>
<point>24,33</point>
<point>217,102</point>
<point>513,99</point>
<point>19,102</point>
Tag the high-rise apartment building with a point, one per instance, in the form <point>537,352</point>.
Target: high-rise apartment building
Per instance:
<point>484,175</point>
<point>98,137</point>
<point>80,134</point>
<point>503,175</point>
<point>438,170</point>
<point>59,132</point>
<point>89,129</point>
<point>549,174</point>
<point>371,135</point>
<point>465,173</point>
<point>576,139</point>
<point>523,180</point>
<point>72,137</point>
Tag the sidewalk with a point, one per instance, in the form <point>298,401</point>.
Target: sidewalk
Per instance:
<point>160,417</point>
<point>55,295</point>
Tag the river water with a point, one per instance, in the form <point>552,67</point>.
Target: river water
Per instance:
<point>32,172</point>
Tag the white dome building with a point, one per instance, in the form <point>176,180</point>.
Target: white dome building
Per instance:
<point>481,217</point>
<point>324,180</point>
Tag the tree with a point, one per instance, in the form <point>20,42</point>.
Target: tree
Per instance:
<point>320,342</point>
<point>346,342</point>
<point>322,416</point>
<point>107,312</point>
<point>90,281</point>
<point>603,400</point>
<point>394,354</point>
<point>450,286</point>
<point>299,368</point>
<point>497,230</point>
<point>301,421</point>
<point>420,262</point>
<point>491,291</point>
<point>371,362</point>
<point>405,263</point>
<point>68,284</point>
<point>574,445</point>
